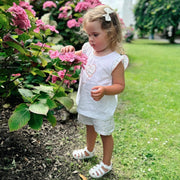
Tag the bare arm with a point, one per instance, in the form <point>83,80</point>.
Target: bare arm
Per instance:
<point>118,84</point>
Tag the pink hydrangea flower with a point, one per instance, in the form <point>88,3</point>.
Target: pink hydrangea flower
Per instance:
<point>93,1</point>
<point>68,3</point>
<point>82,58</point>
<point>71,23</point>
<point>64,13</point>
<point>49,4</point>
<point>42,26</point>
<point>54,79</point>
<point>65,8</point>
<point>73,58</point>
<point>26,5</point>
<point>52,28</point>
<point>82,6</point>
<point>39,22</point>
<point>54,54</point>
<point>7,37</point>
<point>16,75</point>
<point>68,83</point>
<point>69,57</point>
<point>42,45</point>
<point>60,76</point>
<point>80,20</point>
<point>20,18</point>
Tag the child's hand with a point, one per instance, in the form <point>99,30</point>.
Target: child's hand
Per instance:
<point>67,49</point>
<point>97,92</point>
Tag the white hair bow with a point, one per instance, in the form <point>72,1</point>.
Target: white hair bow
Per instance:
<point>107,16</point>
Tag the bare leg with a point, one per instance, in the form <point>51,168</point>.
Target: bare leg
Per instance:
<point>90,143</point>
<point>107,154</point>
<point>107,149</point>
<point>90,138</point>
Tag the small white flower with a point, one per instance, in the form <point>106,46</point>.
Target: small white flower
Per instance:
<point>149,169</point>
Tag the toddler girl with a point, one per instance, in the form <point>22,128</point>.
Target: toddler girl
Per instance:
<point>100,82</point>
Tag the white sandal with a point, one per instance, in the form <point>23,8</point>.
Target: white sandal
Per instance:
<point>80,154</point>
<point>97,171</point>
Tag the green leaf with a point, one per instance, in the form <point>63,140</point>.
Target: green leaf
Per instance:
<point>16,46</point>
<point>35,47</point>
<point>37,35</point>
<point>47,32</point>
<point>60,93</point>
<point>51,118</point>
<point>39,108</point>
<point>44,60</point>
<point>24,37</point>
<point>4,22</point>
<point>26,94</point>
<point>51,104</point>
<point>36,71</point>
<point>19,118</point>
<point>36,121</point>
<point>44,88</point>
<point>66,102</point>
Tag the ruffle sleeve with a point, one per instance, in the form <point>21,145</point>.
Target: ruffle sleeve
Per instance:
<point>124,59</point>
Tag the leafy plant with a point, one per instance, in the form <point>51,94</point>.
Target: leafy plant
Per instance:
<point>31,69</point>
<point>67,15</point>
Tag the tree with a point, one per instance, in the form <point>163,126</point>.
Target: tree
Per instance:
<point>157,14</point>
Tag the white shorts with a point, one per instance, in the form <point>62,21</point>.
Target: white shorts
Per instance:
<point>102,127</point>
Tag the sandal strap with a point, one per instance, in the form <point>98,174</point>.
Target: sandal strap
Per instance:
<point>106,166</point>
<point>98,170</point>
<point>80,152</point>
<point>90,153</point>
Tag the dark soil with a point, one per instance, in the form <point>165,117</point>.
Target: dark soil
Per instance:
<point>27,154</point>
<point>38,155</point>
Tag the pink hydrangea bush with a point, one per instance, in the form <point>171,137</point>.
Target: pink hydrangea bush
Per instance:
<point>20,18</point>
<point>34,72</point>
<point>80,8</point>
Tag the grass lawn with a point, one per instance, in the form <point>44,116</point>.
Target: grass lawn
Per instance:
<point>147,134</point>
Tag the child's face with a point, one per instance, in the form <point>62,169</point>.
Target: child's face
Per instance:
<point>97,37</point>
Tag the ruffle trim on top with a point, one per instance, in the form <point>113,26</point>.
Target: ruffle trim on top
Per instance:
<point>124,59</point>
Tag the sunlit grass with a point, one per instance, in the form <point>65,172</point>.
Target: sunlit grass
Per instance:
<point>147,135</point>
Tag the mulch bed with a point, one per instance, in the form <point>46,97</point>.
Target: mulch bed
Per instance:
<point>46,154</point>
<point>38,155</point>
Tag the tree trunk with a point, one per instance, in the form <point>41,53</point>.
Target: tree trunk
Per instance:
<point>172,37</point>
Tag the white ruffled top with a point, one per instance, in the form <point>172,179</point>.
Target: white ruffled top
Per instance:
<point>98,72</point>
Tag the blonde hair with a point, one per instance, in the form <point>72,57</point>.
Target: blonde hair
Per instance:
<point>113,27</point>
